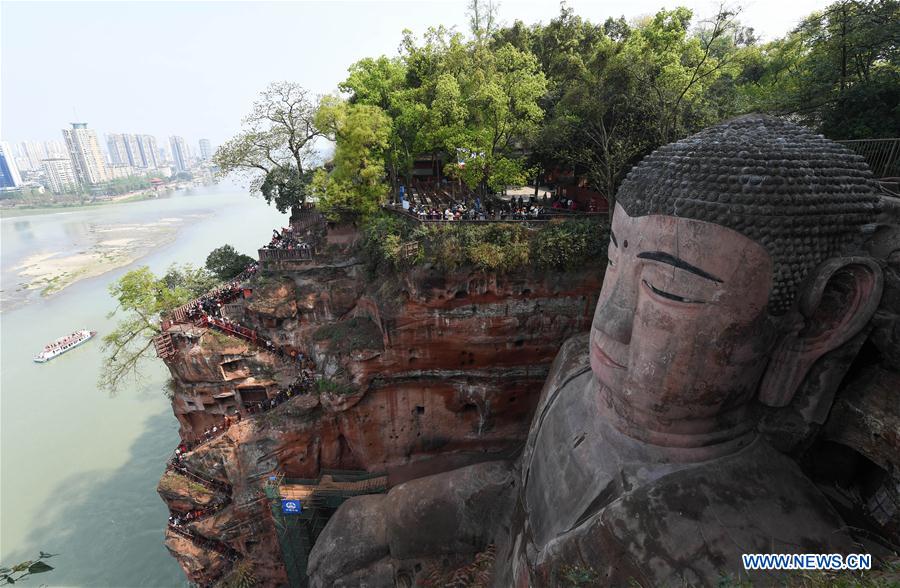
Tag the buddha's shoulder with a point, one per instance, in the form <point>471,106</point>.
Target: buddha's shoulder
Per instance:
<point>570,370</point>
<point>571,361</point>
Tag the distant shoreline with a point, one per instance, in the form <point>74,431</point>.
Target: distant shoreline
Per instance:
<point>37,210</point>
<point>135,196</point>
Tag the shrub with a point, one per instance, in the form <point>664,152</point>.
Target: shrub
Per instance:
<point>327,386</point>
<point>571,244</point>
<point>494,247</point>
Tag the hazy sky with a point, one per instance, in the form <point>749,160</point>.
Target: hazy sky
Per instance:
<point>193,68</point>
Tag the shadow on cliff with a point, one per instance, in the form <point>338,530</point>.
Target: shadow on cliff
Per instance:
<point>108,527</point>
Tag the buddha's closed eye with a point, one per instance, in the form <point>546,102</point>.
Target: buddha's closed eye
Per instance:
<point>668,295</point>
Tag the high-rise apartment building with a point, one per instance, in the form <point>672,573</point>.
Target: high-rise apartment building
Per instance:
<point>135,158</point>
<point>34,153</point>
<point>87,158</point>
<point>147,146</point>
<point>9,172</point>
<point>118,152</point>
<point>206,151</point>
<point>180,155</point>
<point>55,149</point>
<point>60,175</point>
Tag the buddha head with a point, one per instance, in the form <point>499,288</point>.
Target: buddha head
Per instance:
<point>730,273</point>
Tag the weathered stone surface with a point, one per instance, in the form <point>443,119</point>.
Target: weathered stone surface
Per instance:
<point>690,527</point>
<point>377,575</point>
<point>182,494</point>
<point>358,532</point>
<point>444,375</point>
<point>450,514</point>
<point>274,299</point>
<point>198,564</point>
<point>458,506</point>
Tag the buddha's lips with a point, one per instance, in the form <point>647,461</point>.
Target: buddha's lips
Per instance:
<point>604,358</point>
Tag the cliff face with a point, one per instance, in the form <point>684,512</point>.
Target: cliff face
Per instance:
<point>416,374</point>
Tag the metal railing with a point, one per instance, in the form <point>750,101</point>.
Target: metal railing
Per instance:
<point>295,254</point>
<point>881,155</point>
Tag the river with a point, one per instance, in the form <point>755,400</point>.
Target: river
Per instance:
<point>78,468</point>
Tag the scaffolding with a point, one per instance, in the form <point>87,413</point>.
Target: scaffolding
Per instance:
<point>320,498</point>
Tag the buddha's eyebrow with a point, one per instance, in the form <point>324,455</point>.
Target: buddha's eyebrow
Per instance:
<point>664,257</point>
<point>613,237</point>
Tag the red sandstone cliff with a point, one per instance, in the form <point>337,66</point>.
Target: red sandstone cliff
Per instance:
<point>419,373</point>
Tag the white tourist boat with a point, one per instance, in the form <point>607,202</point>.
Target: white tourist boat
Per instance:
<point>63,344</point>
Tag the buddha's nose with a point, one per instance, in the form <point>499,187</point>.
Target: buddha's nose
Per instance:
<point>614,316</point>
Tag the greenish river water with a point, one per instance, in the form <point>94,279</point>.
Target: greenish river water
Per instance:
<point>78,469</point>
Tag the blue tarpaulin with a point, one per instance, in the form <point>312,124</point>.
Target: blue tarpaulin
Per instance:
<point>291,506</point>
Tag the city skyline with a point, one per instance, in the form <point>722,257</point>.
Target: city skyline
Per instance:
<point>202,86</point>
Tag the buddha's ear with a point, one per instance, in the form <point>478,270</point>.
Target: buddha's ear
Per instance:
<point>836,303</point>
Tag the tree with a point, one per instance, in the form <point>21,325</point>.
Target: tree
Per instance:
<point>677,69</point>
<point>616,92</point>
<point>22,570</point>
<point>361,133</point>
<point>275,147</point>
<point>142,297</point>
<point>504,87</point>
<point>225,262</point>
<point>482,18</point>
<point>381,82</point>
<point>837,72</point>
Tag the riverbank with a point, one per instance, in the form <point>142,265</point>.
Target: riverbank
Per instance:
<point>113,246</point>
<point>76,204</point>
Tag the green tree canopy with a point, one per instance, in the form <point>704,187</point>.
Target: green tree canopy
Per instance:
<point>837,72</point>
<point>275,148</point>
<point>225,262</point>
<point>142,297</point>
<point>361,133</point>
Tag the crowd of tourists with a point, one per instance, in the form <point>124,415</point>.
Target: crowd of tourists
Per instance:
<point>303,384</point>
<point>284,239</point>
<point>212,302</point>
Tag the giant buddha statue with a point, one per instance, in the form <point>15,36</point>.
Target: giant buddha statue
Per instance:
<point>733,268</point>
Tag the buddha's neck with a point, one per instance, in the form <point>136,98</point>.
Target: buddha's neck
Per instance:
<point>686,441</point>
